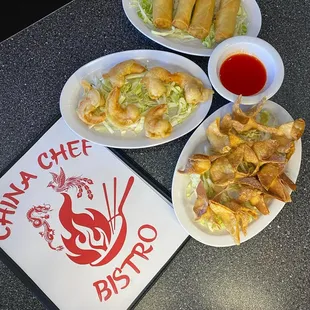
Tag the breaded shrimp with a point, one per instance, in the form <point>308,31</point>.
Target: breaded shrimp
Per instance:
<point>160,73</point>
<point>117,73</point>
<point>155,126</point>
<point>194,90</point>
<point>119,116</point>
<point>90,107</point>
<point>155,80</point>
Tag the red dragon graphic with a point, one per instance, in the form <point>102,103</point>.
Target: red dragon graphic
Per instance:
<point>62,184</point>
<point>38,216</point>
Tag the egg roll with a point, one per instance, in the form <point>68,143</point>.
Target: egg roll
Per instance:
<point>162,13</point>
<point>202,18</point>
<point>225,21</point>
<point>183,14</point>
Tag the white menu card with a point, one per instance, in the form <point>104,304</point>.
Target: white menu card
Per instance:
<point>88,230</point>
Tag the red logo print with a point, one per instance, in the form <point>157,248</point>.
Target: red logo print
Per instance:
<point>95,239</point>
<point>61,184</point>
<point>38,216</point>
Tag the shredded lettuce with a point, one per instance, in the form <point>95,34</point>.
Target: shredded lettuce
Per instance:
<point>140,125</point>
<point>194,181</point>
<point>184,110</point>
<point>246,167</point>
<point>211,225</point>
<point>192,185</point>
<point>241,22</point>
<point>209,41</point>
<point>208,184</point>
<point>104,86</point>
<point>144,9</point>
<point>254,135</point>
<point>105,126</point>
<point>265,118</point>
<point>134,92</point>
<point>174,33</point>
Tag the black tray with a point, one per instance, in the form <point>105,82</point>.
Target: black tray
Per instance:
<point>48,303</point>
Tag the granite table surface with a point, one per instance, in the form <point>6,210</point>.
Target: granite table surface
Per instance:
<point>269,271</point>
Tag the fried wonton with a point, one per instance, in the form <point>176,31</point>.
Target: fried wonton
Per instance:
<point>292,130</point>
<point>267,175</point>
<point>243,117</point>
<point>265,149</point>
<point>243,193</point>
<point>197,163</point>
<point>279,190</point>
<point>245,169</point>
<point>286,146</point>
<point>203,212</point>
<point>276,158</point>
<point>288,181</point>
<point>219,141</point>
<point>228,218</point>
<point>252,182</point>
<point>201,203</point>
<point>243,160</point>
<point>221,171</point>
<point>235,140</point>
<point>226,124</point>
<point>260,203</point>
<point>276,182</point>
<point>243,214</point>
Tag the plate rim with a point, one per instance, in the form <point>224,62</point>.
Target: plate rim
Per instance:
<point>138,54</point>
<point>206,52</point>
<point>195,232</point>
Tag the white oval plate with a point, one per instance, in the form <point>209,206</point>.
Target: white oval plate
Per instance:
<point>72,92</point>
<point>193,47</point>
<point>183,206</point>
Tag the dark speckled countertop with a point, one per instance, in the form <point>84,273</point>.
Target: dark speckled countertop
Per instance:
<point>271,270</point>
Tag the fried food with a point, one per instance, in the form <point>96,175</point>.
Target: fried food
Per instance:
<point>156,126</point>
<point>228,218</point>
<point>194,90</point>
<point>222,172</point>
<point>117,73</point>
<point>245,169</point>
<point>218,140</point>
<point>202,18</point>
<point>155,80</point>
<point>90,108</point>
<point>131,97</point>
<point>225,21</point>
<point>183,14</point>
<point>119,116</point>
<point>160,73</point>
<point>198,163</point>
<point>162,13</point>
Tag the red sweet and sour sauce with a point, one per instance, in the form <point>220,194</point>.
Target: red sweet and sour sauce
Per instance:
<point>243,74</point>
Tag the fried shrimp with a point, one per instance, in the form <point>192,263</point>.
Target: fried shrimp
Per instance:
<point>91,107</point>
<point>117,73</point>
<point>119,116</point>
<point>133,96</point>
<point>155,80</point>
<point>155,126</point>
<point>194,90</point>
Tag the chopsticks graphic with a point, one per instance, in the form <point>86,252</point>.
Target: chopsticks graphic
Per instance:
<point>115,181</point>
<point>120,207</point>
<point>108,206</point>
